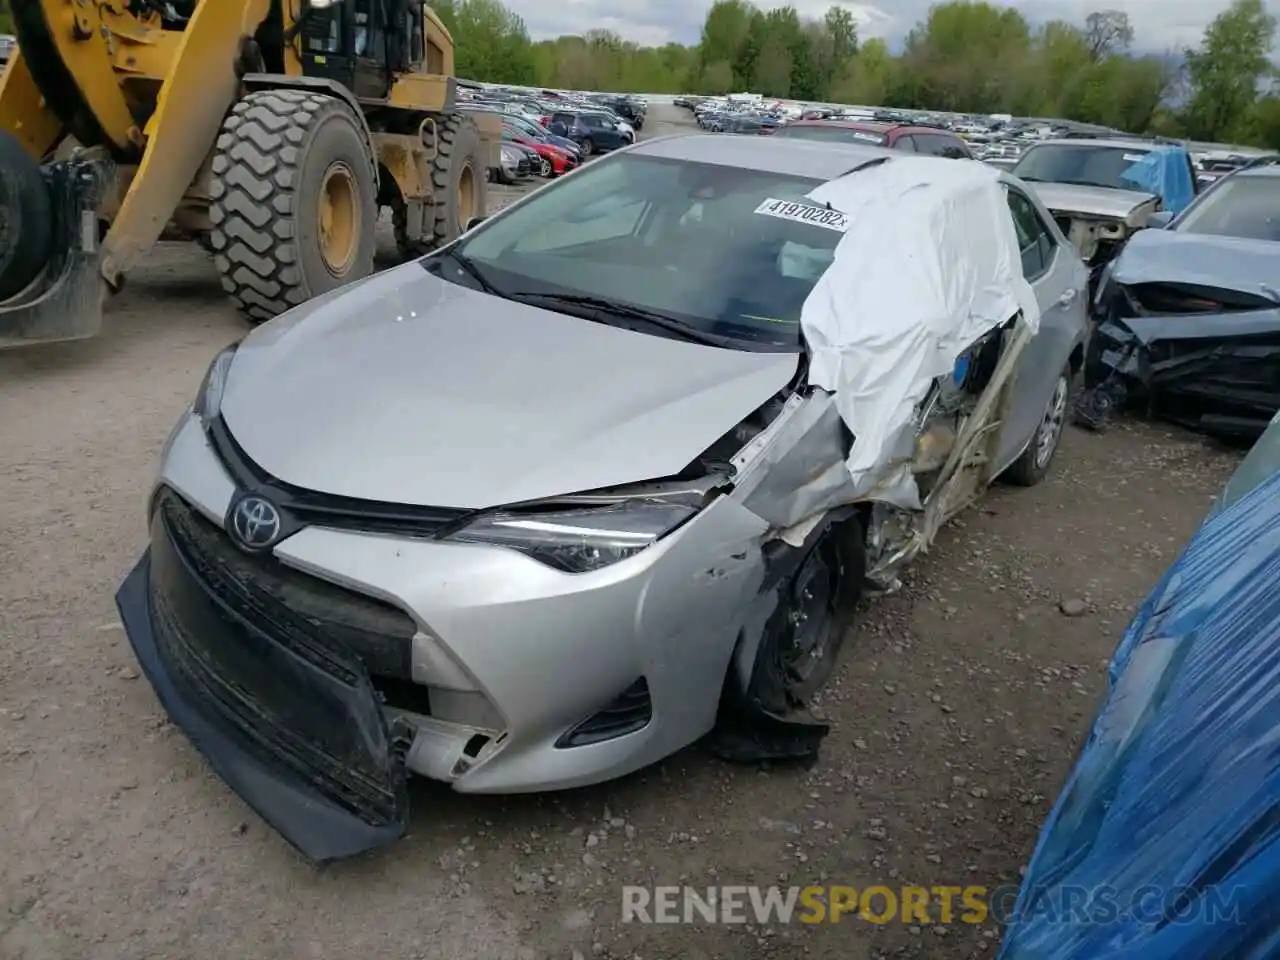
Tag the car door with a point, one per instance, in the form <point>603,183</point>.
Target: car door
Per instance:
<point>608,136</point>
<point>1059,278</point>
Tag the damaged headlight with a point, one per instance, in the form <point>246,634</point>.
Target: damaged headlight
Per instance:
<point>580,540</point>
<point>208,399</point>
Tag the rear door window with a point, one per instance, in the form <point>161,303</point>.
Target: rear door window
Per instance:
<point>940,145</point>
<point>1035,241</point>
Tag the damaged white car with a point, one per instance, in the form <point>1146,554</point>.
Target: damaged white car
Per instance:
<point>1088,186</point>
<point>602,478</point>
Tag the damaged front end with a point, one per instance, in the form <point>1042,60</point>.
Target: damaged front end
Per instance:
<point>260,673</point>
<point>1198,354</point>
<point>1098,239</point>
<point>833,539</point>
<point>1098,221</point>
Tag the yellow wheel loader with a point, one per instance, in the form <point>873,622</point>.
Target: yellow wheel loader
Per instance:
<point>272,132</point>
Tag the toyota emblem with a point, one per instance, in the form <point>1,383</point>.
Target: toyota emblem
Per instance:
<point>255,522</point>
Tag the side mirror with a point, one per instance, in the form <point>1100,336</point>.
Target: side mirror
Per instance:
<point>1159,220</point>
<point>473,223</point>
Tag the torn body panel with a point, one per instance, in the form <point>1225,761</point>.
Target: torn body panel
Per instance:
<point>793,475</point>
<point>1188,328</point>
<point>898,427</point>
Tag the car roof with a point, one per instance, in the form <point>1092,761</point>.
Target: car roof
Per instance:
<point>864,126</point>
<point>1260,170</point>
<point>805,158</point>
<point>875,126</point>
<point>1116,142</point>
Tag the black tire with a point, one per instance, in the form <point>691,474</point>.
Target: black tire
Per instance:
<point>26,218</point>
<point>1034,463</point>
<point>588,147</point>
<point>797,656</point>
<point>277,151</point>
<point>544,168</point>
<point>457,151</point>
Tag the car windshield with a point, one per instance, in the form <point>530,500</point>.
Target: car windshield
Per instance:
<point>727,252</point>
<point>831,134</point>
<point>1087,165</point>
<point>1240,206</point>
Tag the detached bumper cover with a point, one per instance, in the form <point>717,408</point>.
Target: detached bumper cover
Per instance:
<point>290,721</point>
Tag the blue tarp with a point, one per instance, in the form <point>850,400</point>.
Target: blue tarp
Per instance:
<point>1165,842</point>
<point>1166,172</point>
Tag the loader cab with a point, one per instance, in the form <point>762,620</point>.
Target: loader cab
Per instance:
<point>362,44</point>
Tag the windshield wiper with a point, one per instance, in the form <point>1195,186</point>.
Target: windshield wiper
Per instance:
<point>472,271</point>
<point>652,317</point>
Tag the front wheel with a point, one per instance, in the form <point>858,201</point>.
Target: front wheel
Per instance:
<point>544,167</point>
<point>815,606</point>
<point>588,148</point>
<point>1033,466</point>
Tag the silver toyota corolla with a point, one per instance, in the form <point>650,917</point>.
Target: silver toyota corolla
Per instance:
<point>498,517</point>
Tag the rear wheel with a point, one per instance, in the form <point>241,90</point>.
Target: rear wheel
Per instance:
<point>458,185</point>
<point>1033,466</point>
<point>26,218</point>
<point>294,200</point>
<point>588,147</point>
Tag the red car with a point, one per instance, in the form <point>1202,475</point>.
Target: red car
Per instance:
<point>555,161</point>
<point>931,141</point>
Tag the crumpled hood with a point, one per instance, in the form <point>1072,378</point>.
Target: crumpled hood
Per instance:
<point>1250,266</point>
<point>1090,201</point>
<point>405,388</point>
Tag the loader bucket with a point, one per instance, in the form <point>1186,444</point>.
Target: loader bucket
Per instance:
<point>64,301</point>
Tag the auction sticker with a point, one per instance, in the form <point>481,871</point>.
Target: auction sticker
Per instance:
<point>804,213</point>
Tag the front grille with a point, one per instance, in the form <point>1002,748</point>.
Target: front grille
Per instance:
<point>630,711</point>
<point>297,696</point>
<point>380,635</point>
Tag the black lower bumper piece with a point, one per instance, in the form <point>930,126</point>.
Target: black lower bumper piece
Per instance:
<point>291,725</point>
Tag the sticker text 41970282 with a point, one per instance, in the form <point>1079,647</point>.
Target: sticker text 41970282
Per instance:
<point>804,213</point>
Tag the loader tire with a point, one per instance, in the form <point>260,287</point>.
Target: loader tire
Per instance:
<point>459,186</point>
<point>294,200</point>
<point>26,218</point>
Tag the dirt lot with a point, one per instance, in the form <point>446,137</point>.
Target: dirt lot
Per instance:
<point>958,708</point>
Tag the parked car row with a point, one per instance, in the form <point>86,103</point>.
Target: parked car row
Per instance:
<point>561,129</point>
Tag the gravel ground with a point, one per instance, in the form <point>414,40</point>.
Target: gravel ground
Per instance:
<point>956,712</point>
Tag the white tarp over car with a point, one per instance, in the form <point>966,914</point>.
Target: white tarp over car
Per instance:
<point>929,262</point>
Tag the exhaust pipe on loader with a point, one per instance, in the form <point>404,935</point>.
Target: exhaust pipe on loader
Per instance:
<point>51,286</point>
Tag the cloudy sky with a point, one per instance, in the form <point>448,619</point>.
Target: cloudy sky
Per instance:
<point>1159,25</point>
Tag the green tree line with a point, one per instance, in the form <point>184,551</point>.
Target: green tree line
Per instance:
<point>967,56</point>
